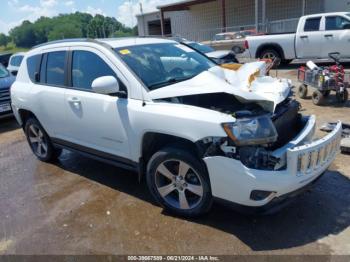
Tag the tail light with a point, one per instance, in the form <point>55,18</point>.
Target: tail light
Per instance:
<point>246,44</point>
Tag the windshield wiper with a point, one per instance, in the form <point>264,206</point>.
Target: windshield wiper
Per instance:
<point>169,81</point>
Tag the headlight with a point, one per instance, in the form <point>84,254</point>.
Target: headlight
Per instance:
<point>251,131</point>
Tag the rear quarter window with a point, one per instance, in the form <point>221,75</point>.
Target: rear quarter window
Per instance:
<point>312,24</point>
<point>33,65</point>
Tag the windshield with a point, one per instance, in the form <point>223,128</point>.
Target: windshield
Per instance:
<point>200,47</point>
<point>3,72</point>
<point>159,65</point>
<point>348,15</point>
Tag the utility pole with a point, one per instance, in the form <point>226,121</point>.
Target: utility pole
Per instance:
<point>143,20</point>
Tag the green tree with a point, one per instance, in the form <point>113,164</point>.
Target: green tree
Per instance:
<point>75,25</point>
<point>64,31</point>
<point>24,35</point>
<point>4,40</point>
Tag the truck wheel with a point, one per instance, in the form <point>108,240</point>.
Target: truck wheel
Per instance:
<point>40,142</point>
<point>317,98</point>
<point>237,49</point>
<point>343,97</point>
<point>270,54</point>
<point>179,182</point>
<point>302,91</point>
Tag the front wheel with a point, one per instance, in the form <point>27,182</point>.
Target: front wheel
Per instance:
<point>179,182</point>
<point>318,98</point>
<point>302,91</point>
<point>40,142</point>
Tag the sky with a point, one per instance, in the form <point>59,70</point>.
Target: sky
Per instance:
<point>16,11</point>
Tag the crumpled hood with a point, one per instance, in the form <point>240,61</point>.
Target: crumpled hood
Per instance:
<point>216,81</point>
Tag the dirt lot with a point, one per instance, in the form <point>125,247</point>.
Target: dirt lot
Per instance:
<point>81,206</point>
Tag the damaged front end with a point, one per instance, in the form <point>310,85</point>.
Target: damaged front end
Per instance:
<point>256,136</point>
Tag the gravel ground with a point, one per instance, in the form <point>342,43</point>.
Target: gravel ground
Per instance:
<point>81,206</point>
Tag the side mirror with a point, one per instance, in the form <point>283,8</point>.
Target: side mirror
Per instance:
<point>346,26</point>
<point>105,85</point>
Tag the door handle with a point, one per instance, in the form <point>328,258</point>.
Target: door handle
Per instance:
<point>328,35</point>
<point>304,36</point>
<point>74,101</point>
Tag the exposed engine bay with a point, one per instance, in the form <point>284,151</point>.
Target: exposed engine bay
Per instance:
<point>286,119</point>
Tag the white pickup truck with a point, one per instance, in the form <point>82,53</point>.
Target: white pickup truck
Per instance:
<point>317,35</point>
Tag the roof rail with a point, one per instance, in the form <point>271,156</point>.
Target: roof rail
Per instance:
<point>70,41</point>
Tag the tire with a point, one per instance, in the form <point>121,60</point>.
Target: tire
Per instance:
<point>317,98</point>
<point>302,91</point>
<point>40,142</point>
<point>167,183</point>
<point>343,98</point>
<point>237,49</point>
<point>270,54</point>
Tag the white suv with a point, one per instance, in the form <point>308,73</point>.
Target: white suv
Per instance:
<point>196,131</point>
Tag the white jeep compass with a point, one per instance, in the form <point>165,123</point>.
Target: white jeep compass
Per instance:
<point>196,131</point>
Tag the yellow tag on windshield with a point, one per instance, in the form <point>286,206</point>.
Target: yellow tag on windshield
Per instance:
<point>125,52</point>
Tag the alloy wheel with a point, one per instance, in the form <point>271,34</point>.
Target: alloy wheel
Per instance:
<point>179,184</point>
<point>37,141</point>
<point>269,55</point>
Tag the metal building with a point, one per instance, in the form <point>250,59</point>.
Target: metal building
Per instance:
<point>201,19</point>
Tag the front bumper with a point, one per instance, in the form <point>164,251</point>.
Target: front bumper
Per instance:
<point>306,160</point>
<point>7,113</point>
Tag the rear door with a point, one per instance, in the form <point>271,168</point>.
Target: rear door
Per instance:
<point>95,122</point>
<point>309,39</point>
<point>47,72</point>
<point>335,37</point>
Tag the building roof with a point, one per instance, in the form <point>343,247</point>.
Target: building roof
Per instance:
<point>182,5</point>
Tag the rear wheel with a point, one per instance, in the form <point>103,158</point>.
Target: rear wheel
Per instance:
<point>270,54</point>
<point>302,91</point>
<point>179,182</point>
<point>317,98</point>
<point>237,49</point>
<point>40,142</point>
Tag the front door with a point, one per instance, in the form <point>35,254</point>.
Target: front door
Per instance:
<point>335,37</point>
<point>94,121</point>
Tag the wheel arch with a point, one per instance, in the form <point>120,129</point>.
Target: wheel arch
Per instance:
<point>273,46</point>
<point>154,141</point>
<point>24,115</point>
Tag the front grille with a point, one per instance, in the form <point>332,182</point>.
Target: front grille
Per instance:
<point>313,159</point>
<point>5,95</point>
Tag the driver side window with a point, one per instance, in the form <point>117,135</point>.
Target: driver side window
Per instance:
<point>336,22</point>
<point>86,67</point>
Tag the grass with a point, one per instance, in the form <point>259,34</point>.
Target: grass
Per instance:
<point>11,48</point>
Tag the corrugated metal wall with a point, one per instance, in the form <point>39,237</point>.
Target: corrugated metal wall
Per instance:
<point>203,21</point>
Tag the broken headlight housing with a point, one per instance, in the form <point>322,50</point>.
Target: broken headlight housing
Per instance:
<point>251,131</point>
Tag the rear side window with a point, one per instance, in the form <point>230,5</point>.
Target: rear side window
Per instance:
<point>55,66</point>
<point>33,65</point>
<point>86,67</point>
<point>336,23</point>
<point>312,24</point>
<point>16,61</point>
